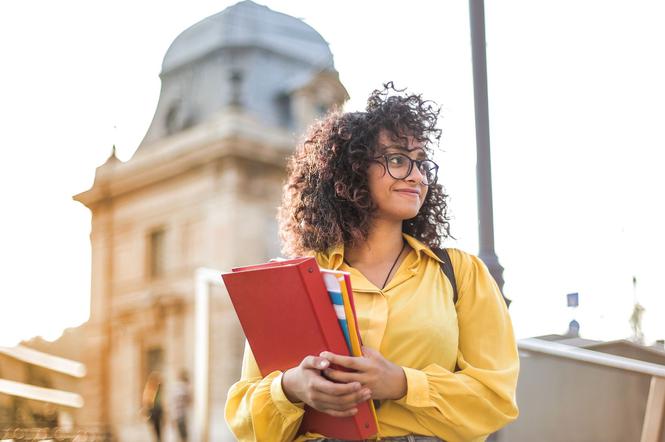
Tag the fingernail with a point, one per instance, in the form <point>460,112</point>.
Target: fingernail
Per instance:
<point>323,364</point>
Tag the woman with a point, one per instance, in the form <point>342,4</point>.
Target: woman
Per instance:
<point>362,197</point>
<point>152,403</point>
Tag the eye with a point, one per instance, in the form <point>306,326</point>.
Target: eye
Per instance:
<point>427,166</point>
<point>397,160</point>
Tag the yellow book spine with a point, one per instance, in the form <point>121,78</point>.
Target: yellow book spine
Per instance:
<point>353,332</point>
<point>350,319</point>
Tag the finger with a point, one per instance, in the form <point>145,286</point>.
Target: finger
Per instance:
<point>345,413</point>
<point>335,389</point>
<point>369,351</point>
<point>343,376</point>
<point>340,403</point>
<point>315,363</point>
<point>320,403</point>
<point>355,398</point>
<point>352,362</point>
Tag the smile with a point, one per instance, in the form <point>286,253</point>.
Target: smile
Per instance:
<point>409,193</point>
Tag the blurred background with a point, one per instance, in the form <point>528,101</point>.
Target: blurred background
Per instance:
<point>169,122</point>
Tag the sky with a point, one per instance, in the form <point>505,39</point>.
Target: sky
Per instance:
<point>576,97</point>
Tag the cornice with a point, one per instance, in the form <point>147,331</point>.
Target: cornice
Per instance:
<point>230,133</point>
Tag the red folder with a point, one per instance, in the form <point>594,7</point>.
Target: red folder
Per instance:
<point>286,314</point>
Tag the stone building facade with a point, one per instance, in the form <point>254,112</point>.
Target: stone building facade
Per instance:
<point>201,191</point>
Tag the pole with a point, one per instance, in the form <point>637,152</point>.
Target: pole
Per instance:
<point>483,164</point>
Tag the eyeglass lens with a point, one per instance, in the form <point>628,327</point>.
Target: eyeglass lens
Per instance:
<point>400,165</point>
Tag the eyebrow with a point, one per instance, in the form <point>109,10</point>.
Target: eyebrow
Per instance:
<point>422,155</point>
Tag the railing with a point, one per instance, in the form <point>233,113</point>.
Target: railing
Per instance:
<point>653,417</point>
<point>34,392</point>
<point>41,359</point>
<point>76,434</point>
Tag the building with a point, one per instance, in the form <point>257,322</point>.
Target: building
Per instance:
<point>200,191</point>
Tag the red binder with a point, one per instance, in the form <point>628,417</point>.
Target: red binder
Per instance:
<point>286,314</point>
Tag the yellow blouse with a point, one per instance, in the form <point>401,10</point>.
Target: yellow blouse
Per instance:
<point>414,324</point>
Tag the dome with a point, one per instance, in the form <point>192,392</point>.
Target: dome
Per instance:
<point>247,24</point>
<point>248,58</point>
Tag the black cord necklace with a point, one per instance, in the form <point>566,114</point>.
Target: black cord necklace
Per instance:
<point>391,268</point>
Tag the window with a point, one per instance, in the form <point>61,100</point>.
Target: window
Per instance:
<point>173,119</point>
<point>153,360</point>
<point>156,253</point>
<point>284,111</point>
<point>321,110</point>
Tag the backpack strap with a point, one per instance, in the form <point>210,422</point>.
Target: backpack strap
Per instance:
<point>447,268</point>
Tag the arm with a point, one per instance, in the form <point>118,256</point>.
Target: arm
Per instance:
<point>467,404</point>
<point>479,398</point>
<point>257,408</point>
<point>271,408</point>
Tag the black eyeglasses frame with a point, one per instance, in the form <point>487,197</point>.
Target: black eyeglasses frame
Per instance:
<point>418,163</point>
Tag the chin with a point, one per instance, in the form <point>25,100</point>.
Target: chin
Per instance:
<point>405,215</point>
<point>399,212</point>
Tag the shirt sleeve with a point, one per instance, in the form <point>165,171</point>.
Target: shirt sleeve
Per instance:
<point>479,398</point>
<point>257,408</point>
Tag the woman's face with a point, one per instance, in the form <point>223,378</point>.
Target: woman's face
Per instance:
<point>395,199</point>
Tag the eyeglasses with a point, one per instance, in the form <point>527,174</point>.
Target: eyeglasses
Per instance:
<point>399,166</point>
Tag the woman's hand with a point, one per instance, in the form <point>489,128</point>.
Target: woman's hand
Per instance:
<point>384,379</point>
<point>305,383</point>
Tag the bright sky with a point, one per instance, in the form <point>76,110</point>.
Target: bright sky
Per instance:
<point>576,97</point>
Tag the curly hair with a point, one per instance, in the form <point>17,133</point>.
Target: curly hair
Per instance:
<point>326,199</point>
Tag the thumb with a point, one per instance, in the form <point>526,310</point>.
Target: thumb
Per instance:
<point>316,363</point>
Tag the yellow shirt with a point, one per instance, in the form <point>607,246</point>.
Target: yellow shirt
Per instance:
<point>414,324</point>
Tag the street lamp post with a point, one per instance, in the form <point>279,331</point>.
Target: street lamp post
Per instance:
<point>483,162</point>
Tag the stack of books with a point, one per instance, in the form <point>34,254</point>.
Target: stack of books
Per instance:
<point>292,309</point>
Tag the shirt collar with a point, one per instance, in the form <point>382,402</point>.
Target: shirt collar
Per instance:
<point>335,256</point>
<point>420,249</point>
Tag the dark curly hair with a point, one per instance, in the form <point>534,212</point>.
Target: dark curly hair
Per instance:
<point>326,199</point>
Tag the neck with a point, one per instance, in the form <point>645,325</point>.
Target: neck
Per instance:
<point>383,243</point>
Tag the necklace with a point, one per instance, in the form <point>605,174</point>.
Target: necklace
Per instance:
<point>391,268</point>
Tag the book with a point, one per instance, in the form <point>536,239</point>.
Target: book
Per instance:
<point>331,280</point>
<point>338,284</point>
<point>286,312</point>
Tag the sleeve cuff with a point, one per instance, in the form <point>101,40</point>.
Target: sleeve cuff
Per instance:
<point>417,389</point>
<point>283,404</point>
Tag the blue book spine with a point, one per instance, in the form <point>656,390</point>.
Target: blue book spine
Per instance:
<point>338,304</point>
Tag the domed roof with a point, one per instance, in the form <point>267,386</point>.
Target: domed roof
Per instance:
<point>249,24</point>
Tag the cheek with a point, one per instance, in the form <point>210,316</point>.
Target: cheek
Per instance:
<point>424,193</point>
<point>376,181</point>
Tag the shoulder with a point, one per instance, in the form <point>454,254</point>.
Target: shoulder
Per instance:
<point>471,272</point>
<point>463,261</point>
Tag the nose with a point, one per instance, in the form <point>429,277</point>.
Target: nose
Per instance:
<point>416,176</point>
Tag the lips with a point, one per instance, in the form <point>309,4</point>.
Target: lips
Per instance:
<point>408,191</point>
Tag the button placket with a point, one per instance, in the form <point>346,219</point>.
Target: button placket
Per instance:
<point>377,321</point>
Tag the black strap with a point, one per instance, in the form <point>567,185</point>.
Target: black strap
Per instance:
<point>447,267</point>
